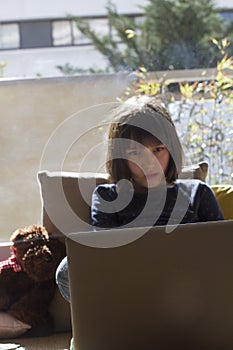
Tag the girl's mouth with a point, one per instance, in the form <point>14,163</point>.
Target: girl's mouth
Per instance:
<point>152,175</point>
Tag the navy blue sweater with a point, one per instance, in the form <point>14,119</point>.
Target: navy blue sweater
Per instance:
<point>186,201</point>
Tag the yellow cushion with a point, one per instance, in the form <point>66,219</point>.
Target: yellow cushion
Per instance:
<point>224,195</point>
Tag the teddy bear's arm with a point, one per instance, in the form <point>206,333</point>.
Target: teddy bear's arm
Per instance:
<point>4,302</point>
<point>11,283</point>
<point>32,307</point>
<point>5,299</point>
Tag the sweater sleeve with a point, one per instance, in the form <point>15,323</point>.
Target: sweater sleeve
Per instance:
<point>103,214</point>
<point>209,209</point>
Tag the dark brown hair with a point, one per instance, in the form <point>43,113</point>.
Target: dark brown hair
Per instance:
<point>141,118</point>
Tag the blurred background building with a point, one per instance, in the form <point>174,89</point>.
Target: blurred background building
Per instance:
<point>36,37</point>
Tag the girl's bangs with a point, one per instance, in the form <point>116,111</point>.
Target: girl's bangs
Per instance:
<point>139,135</point>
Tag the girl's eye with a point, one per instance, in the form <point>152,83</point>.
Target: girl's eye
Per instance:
<point>158,149</point>
<point>133,153</point>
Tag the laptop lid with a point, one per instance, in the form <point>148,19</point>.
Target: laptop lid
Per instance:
<point>153,290</point>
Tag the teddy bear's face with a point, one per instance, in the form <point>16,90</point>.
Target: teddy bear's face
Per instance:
<point>39,263</point>
<point>36,252</point>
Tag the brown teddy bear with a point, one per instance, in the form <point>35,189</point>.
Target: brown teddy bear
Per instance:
<point>27,277</point>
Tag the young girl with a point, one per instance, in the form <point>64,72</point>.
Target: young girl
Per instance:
<point>144,148</point>
<point>144,161</point>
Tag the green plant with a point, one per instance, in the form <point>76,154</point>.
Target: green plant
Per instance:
<point>173,34</point>
<point>202,111</point>
<point>68,69</point>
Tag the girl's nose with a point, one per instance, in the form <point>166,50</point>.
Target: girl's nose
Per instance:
<point>148,157</point>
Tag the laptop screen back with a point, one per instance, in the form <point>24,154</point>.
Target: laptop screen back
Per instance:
<point>161,291</point>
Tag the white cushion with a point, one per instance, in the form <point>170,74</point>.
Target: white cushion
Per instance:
<point>10,327</point>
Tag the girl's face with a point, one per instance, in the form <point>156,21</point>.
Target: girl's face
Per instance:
<point>147,163</point>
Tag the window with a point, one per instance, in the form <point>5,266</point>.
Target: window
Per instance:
<point>53,32</point>
<point>35,34</point>
<point>227,15</point>
<point>62,33</point>
<point>139,20</point>
<point>78,37</point>
<point>99,25</point>
<point>9,36</point>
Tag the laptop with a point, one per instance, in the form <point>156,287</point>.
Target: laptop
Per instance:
<point>148,289</point>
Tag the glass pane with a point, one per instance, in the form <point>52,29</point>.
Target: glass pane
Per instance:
<point>139,20</point>
<point>61,32</point>
<point>114,34</point>
<point>100,26</point>
<point>228,15</point>
<point>9,36</point>
<point>78,37</point>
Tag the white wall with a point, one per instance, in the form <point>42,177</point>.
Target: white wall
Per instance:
<point>35,112</point>
<point>30,9</point>
<point>42,62</point>
<point>224,3</point>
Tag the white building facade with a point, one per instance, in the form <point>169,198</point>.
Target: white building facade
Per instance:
<point>36,37</point>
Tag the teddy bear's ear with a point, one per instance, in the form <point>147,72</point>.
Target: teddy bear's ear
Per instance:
<point>29,232</point>
<point>16,235</point>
